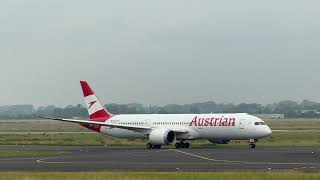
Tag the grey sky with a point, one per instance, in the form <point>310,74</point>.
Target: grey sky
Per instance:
<point>159,52</point>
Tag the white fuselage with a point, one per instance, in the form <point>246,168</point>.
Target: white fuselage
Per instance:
<point>197,126</point>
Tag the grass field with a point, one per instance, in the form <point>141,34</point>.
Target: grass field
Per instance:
<point>290,138</point>
<point>159,176</point>
<point>276,139</point>
<point>39,126</point>
<point>294,124</point>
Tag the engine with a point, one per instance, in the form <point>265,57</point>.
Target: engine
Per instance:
<point>219,141</point>
<point>162,136</point>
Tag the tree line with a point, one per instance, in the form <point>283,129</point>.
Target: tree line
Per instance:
<point>291,109</point>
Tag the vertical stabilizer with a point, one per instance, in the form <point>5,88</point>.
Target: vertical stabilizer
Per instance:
<point>96,110</point>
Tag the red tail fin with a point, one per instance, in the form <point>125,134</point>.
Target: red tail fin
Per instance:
<point>96,110</point>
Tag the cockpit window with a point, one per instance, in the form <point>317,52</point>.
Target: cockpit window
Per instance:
<point>259,123</point>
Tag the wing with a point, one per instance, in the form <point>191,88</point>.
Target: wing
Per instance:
<point>135,128</point>
<point>111,125</point>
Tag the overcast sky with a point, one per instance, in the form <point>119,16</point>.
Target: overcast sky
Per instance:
<point>159,52</point>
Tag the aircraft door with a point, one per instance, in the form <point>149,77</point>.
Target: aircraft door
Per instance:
<point>242,124</point>
<point>148,123</point>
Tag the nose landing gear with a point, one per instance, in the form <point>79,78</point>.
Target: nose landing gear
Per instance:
<point>252,146</point>
<point>252,143</point>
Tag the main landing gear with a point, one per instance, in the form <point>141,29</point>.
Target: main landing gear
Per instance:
<point>252,143</point>
<point>153,146</point>
<point>182,144</point>
<point>178,145</point>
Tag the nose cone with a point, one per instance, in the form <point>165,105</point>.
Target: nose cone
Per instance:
<point>268,131</point>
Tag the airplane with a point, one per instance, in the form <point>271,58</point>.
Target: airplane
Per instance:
<point>166,129</point>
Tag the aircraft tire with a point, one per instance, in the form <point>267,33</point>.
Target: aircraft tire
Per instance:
<point>149,146</point>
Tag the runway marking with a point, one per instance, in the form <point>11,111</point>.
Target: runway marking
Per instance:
<point>117,162</point>
<point>209,159</point>
<point>242,162</point>
<point>197,156</point>
<point>12,159</point>
<point>22,162</point>
<point>43,160</point>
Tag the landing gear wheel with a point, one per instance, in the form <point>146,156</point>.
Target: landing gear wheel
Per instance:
<point>182,145</point>
<point>149,146</point>
<point>156,146</point>
<point>252,143</point>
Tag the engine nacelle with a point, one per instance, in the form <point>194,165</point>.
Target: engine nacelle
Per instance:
<point>162,136</point>
<point>219,141</point>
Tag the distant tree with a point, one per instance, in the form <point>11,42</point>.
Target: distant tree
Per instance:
<point>307,109</point>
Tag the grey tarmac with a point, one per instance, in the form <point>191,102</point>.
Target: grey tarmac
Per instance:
<point>140,159</point>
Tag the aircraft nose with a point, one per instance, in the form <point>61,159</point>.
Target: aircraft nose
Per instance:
<point>268,131</point>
